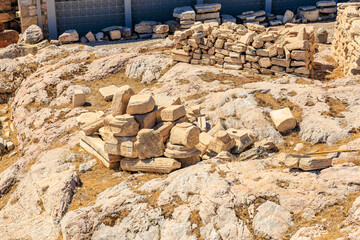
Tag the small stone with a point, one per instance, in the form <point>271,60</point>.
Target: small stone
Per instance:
<point>147,120</point>
<point>99,36</point>
<point>79,98</point>
<point>226,156</point>
<point>33,34</point>
<point>309,163</point>
<point>283,119</point>
<point>288,16</point>
<point>207,8</point>
<point>108,92</point>
<point>121,99</point>
<point>140,104</point>
<point>173,113</point>
<point>2,144</point>
<point>243,139</point>
<point>90,37</point>
<point>115,35</point>
<point>156,165</point>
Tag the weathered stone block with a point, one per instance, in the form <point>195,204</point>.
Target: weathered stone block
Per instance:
<point>79,98</point>
<point>283,119</point>
<point>140,104</point>
<point>149,144</point>
<point>173,113</point>
<point>185,134</point>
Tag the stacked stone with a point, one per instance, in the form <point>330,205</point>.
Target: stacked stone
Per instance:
<point>186,16</point>
<point>133,137</point>
<point>236,47</point>
<point>151,29</point>
<point>347,38</point>
<point>327,10</point>
<point>258,17</point>
<point>208,12</point>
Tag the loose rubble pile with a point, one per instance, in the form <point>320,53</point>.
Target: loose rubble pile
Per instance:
<point>155,30</point>
<point>324,10</point>
<point>156,133</point>
<point>236,47</point>
<point>347,38</point>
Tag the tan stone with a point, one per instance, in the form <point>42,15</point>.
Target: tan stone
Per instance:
<point>180,153</point>
<point>79,98</point>
<point>299,55</point>
<point>310,163</point>
<point>247,38</point>
<point>121,99</point>
<point>204,141</point>
<point>181,58</point>
<point>140,104</point>
<point>122,126</point>
<point>218,127</point>
<point>155,165</point>
<point>283,119</point>
<point>185,134</point>
<point>173,113</point>
<point>265,62</point>
<point>280,62</point>
<point>298,45</point>
<point>90,37</point>
<point>187,162</point>
<point>164,129</point>
<point>149,144</point>
<point>108,92</point>
<point>147,120</point>
<point>221,142</point>
<point>243,139</point>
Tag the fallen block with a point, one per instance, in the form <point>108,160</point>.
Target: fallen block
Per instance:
<point>204,141</point>
<point>185,134</point>
<point>155,165</point>
<point>242,138</point>
<point>121,99</point>
<point>283,119</point>
<point>108,92</point>
<point>309,163</point>
<point>94,145</point>
<point>149,144</point>
<point>173,113</point>
<point>93,126</point>
<point>122,126</point>
<point>79,98</point>
<point>221,142</point>
<point>164,129</point>
<point>140,104</point>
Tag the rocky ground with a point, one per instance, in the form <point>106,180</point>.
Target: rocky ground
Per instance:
<point>52,189</point>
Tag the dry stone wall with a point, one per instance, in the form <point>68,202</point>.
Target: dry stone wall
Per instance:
<point>347,38</point>
<point>236,46</point>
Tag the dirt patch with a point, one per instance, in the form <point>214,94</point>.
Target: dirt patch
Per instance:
<point>111,218</point>
<point>331,217</point>
<point>336,108</point>
<point>196,219</point>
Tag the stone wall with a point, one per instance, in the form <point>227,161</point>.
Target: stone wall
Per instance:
<point>237,46</point>
<point>29,14</point>
<point>347,38</point>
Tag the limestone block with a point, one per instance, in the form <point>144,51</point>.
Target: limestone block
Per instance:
<point>79,98</point>
<point>181,58</point>
<point>99,36</point>
<point>226,156</point>
<point>298,45</point>
<point>69,36</point>
<point>202,124</point>
<point>115,35</point>
<point>164,129</point>
<point>162,28</point>
<point>207,8</point>
<point>147,120</point>
<point>221,142</point>
<point>233,66</point>
<point>247,38</point>
<point>302,70</point>
<point>280,62</point>
<point>219,43</point>
<point>275,22</point>
<point>321,35</point>
<point>283,119</point>
<point>95,146</point>
<point>311,16</point>
<point>149,144</point>
<point>328,10</point>
<point>145,27</point>
<point>184,13</point>
<point>89,117</point>
<point>218,127</point>
<point>121,99</point>
<point>227,18</point>
<point>108,92</point>
<point>204,141</point>
<point>207,16</point>
<point>90,37</point>
<point>140,104</point>
<point>310,163</point>
<point>121,146</point>
<point>187,162</point>
<point>288,16</point>
<point>299,55</point>
<point>122,125</point>
<point>298,64</point>
<point>255,27</point>
<point>93,126</point>
<point>325,4</point>
<point>173,113</point>
<point>265,62</point>
<point>155,165</point>
<point>243,139</point>
<point>185,134</point>
<point>10,146</point>
<point>125,32</point>
<point>180,151</point>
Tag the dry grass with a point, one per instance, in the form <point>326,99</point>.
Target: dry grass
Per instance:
<point>196,219</point>
<point>237,81</point>
<point>331,217</point>
<point>168,209</point>
<point>336,108</point>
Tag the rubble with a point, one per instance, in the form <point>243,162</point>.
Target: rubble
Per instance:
<point>347,36</point>
<point>235,47</point>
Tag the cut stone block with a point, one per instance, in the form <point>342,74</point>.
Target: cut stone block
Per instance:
<point>159,29</point>
<point>92,126</point>
<point>166,101</point>
<point>218,127</point>
<point>227,18</point>
<point>147,120</point>
<point>95,146</point>
<point>180,151</point>
<point>226,156</point>
<point>145,27</point>
<point>207,8</point>
<point>221,142</point>
<point>173,113</point>
<point>311,16</point>
<point>325,4</point>
<point>115,35</point>
<point>10,146</point>
<point>185,134</point>
<point>283,119</point>
<point>122,146</point>
<point>79,98</point>
<point>108,92</point>
<point>149,144</point>
<point>288,16</point>
<point>184,13</point>
<point>164,129</point>
<point>187,162</point>
<point>121,99</point>
<point>69,36</point>
<point>204,141</point>
<point>140,104</point>
<point>90,37</point>
<point>243,139</point>
<point>122,126</point>
<point>155,165</point>
<point>310,163</point>
<point>202,124</point>
<point>207,16</point>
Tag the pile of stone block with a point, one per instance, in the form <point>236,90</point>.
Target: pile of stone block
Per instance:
<point>187,16</point>
<point>152,29</point>
<point>258,17</point>
<point>345,47</point>
<point>324,10</point>
<point>233,46</point>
